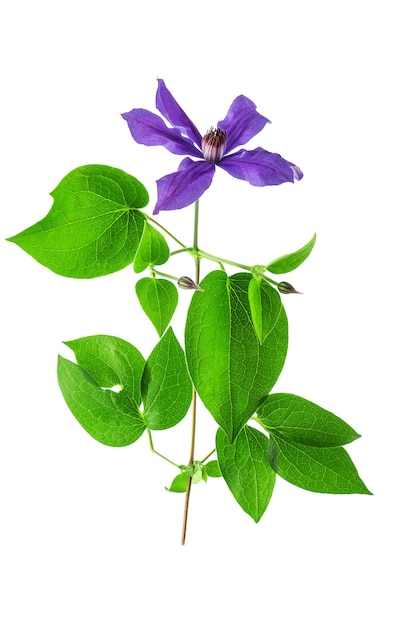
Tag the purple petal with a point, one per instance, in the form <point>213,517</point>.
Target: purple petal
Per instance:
<point>171,110</point>
<point>260,168</point>
<point>150,130</point>
<point>297,172</point>
<point>242,122</point>
<point>177,190</point>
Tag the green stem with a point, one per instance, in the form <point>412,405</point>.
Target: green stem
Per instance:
<point>197,259</point>
<point>158,453</point>
<point>195,243</point>
<point>154,271</point>
<point>166,231</point>
<point>198,254</point>
<point>212,257</point>
<point>217,259</point>
<point>182,250</point>
<point>209,455</point>
<point>270,280</point>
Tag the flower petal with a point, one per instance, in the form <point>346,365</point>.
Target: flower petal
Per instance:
<point>171,110</point>
<point>242,122</point>
<point>260,167</point>
<point>150,130</point>
<point>178,190</point>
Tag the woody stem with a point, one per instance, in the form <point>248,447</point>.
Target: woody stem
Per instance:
<point>194,393</point>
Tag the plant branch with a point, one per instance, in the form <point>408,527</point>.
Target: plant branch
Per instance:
<point>208,455</point>
<point>155,271</point>
<point>151,219</point>
<point>194,396</point>
<point>158,453</point>
<point>181,250</point>
<point>211,257</point>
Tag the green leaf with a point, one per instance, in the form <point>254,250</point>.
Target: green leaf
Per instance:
<point>302,421</point>
<point>104,362</point>
<point>213,470</point>
<point>273,452</point>
<point>265,306</point>
<point>187,469</point>
<point>197,474</point>
<point>153,249</point>
<point>246,469</point>
<point>110,361</point>
<point>290,262</point>
<point>166,385</point>
<point>232,372</point>
<point>324,470</point>
<point>93,227</point>
<point>158,298</point>
<point>179,484</point>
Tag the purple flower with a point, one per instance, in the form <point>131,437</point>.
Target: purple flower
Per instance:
<point>242,122</point>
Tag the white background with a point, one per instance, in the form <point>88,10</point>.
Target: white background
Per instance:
<point>88,534</point>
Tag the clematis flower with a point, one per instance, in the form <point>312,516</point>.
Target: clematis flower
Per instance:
<point>242,122</point>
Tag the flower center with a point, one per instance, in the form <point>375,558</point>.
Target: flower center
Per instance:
<point>213,144</point>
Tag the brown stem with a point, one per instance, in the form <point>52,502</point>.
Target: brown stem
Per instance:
<point>194,396</point>
<point>188,492</point>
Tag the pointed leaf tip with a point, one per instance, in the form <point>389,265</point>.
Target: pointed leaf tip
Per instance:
<point>323,470</point>
<point>245,466</point>
<point>290,262</point>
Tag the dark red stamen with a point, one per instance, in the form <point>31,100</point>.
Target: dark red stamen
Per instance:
<point>213,144</point>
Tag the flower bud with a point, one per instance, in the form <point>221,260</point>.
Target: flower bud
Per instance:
<point>286,288</point>
<point>185,282</point>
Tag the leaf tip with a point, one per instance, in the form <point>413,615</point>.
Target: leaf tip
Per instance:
<point>68,344</point>
<point>366,491</point>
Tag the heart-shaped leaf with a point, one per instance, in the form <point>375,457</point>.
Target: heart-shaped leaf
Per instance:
<point>94,226</point>
<point>104,363</point>
<point>158,298</point>
<point>231,370</point>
